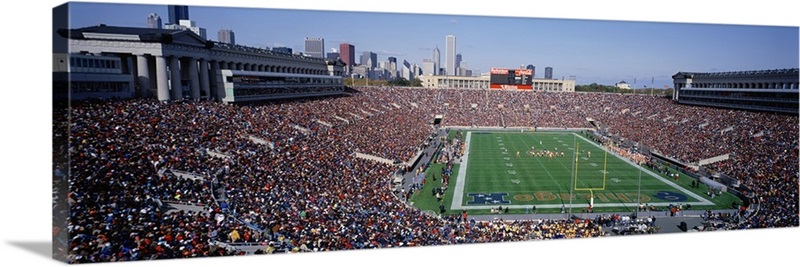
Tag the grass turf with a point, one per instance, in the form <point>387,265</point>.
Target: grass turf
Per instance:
<point>525,181</point>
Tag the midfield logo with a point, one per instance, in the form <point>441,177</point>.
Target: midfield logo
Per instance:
<point>491,198</point>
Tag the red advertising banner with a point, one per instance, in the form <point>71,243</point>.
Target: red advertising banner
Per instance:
<point>519,72</point>
<point>498,71</point>
<point>521,87</point>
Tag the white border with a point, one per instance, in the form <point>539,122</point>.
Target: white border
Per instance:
<point>26,180</point>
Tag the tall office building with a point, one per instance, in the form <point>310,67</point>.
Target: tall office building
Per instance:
<point>532,68</point>
<point>153,21</point>
<point>178,13</point>
<point>373,60</point>
<point>407,71</point>
<point>450,54</point>
<point>369,59</point>
<point>463,69</point>
<point>458,60</point>
<point>437,59</point>
<point>429,67</point>
<point>315,47</point>
<point>226,36</point>
<point>392,66</point>
<point>347,53</point>
<point>548,73</point>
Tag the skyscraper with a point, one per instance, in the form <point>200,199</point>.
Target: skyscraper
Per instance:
<point>177,13</point>
<point>428,67</point>
<point>226,36</point>
<point>458,60</point>
<point>392,66</point>
<point>407,71</point>
<point>532,68</point>
<point>153,21</point>
<point>462,67</point>
<point>315,47</point>
<point>369,59</point>
<point>348,54</point>
<point>437,59</point>
<point>450,54</point>
<point>548,72</point>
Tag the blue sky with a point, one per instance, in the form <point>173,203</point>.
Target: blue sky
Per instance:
<point>598,51</point>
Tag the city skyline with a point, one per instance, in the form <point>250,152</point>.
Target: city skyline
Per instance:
<point>593,51</point>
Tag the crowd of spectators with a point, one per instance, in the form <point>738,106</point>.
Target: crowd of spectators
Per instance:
<point>627,153</point>
<point>452,151</point>
<point>306,192</point>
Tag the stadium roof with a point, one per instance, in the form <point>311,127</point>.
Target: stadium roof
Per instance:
<point>115,33</point>
<point>683,74</point>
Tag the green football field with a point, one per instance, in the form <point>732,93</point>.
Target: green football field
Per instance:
<point>494,174</point>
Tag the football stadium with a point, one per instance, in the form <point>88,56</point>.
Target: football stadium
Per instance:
<point>286,176</point>
<point>166,145</point>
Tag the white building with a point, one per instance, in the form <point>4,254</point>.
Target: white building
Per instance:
<point>623,85</point>
<point>482,82</point>
<point>454,82</point>
<point>185,24</point>
<point>552,85</point>
<point>429,67</point>
<point>450,55</point>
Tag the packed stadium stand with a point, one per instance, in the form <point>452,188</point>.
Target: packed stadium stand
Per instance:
<point>280,176</point>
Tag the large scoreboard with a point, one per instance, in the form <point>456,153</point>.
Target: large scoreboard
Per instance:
<point>520,79</point>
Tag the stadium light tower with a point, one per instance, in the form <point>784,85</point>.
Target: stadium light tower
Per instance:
<point>652,80</point>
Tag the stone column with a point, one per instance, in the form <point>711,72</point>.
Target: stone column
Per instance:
<point>143,75</point>
<point>176,91</point>
<point>204,82</point>
<point>194,79</point>
<point>162,83</point>
<point>218,90</point>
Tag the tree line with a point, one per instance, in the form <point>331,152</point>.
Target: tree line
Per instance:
<point>594,87</point>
